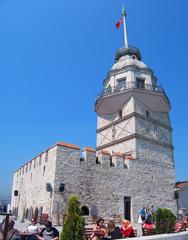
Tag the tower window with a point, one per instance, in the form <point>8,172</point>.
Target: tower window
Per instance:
<point>35,163</point>
<point>46,157</point>
<point>140,83</point>
<point>121,82</point>
<point>147,113</point>
<point>120,114</point>
<point>40,160</point>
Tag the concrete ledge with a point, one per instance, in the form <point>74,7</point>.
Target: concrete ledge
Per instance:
<point>171,236</point>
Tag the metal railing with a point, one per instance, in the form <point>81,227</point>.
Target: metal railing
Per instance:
<point>128,86</point>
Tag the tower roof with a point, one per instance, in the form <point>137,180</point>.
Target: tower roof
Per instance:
<point>128,56</point>
<point>130,51</point>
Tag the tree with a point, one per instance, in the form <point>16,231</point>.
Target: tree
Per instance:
<point>165,221</point>
<point>73,229</point>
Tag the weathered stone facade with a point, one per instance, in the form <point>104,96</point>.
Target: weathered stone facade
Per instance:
<point>133,163</point>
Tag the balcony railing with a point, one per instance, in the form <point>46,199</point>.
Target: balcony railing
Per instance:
<point>128,86</point>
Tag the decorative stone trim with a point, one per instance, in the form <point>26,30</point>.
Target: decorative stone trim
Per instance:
<point>134,115</point>
<point>125,69</point>
<point>136,135</point>
<point>103,152</point>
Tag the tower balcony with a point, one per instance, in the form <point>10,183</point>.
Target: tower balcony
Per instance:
<point>113,97</point>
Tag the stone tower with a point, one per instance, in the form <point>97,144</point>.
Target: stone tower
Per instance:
<point>133,118</point>
<point>132,166</point>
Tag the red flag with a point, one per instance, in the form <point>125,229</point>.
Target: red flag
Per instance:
<point>118,24</point>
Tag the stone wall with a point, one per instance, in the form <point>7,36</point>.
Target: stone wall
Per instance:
<point>30,182</point>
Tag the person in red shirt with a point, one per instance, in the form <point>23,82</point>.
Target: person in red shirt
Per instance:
<point>127,229</point>
<point>148,225</point>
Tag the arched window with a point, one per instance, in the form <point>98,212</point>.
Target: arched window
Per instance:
<point>30,213</point>
<point>85,211</point>
<point>26,213</point>
<point>36,213</point>
<point>40,212</point>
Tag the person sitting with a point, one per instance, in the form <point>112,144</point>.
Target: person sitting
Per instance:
<point>100,230</point>
<point>148,227</point>
<point>186,222</point>
<point>49,232</point>
<point>33,227</point>
<point>113,232</point>
<point>127,229</point>
<point>12,233</point>
<point>180,225</point>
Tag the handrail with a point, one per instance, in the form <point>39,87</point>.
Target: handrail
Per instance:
<point>128,86</point>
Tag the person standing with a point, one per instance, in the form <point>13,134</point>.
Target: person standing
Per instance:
<point>143,214</point>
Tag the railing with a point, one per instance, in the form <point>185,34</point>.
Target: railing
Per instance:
<point>128,86</point>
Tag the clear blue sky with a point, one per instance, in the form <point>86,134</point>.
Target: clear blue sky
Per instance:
<point>54,56</point>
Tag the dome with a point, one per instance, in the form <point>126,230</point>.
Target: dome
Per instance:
<point>128,56</point>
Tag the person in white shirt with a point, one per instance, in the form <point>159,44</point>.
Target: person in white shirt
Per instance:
<point>33,227</point>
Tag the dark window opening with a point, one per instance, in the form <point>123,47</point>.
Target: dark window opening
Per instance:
<point>36,213</point>
<point>125,166</point>
<point>85,211</point>
<point>147,113</point>
<point>97,160</point>
<point>26,213</point>
<point>44,170</point>
<point>121,82</point>
<point>111,163</point>
<point>140,83</point>
<point>120,113</point>
<point>46,157</point>
<point>127,208</point>
<point>15,192</point>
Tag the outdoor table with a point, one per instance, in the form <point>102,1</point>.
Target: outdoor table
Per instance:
<point>27,235</point>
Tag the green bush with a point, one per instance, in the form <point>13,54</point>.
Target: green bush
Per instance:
<point>73,228</point>
<point>164,220</point>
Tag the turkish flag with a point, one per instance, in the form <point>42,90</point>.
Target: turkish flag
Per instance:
<point>118,24</point>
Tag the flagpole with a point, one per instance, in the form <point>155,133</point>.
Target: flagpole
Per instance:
<point>124,27</point>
